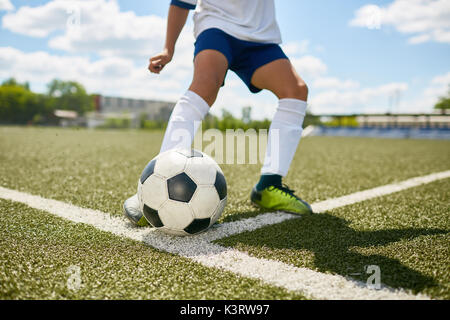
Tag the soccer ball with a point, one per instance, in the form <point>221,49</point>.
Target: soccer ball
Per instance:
<point>182,192</point>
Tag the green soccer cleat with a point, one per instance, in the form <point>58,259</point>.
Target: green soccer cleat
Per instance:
<point>132,211</point>
<point>280,199</point>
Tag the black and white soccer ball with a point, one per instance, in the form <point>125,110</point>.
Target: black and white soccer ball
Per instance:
<point>182,192</point>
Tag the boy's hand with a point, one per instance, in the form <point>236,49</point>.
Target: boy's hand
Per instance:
<point>158,62</point>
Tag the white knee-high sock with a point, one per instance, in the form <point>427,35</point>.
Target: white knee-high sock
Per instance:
<point>284,136</point>
<point>184,122</point>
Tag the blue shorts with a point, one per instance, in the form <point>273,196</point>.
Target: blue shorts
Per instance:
<point>244,57</point>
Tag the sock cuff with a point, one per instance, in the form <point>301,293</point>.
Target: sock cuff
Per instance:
<point>197,102</point>
<point>293,105</point>
<point>290,111</point>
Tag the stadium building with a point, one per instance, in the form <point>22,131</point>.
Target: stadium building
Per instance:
<point>132,109</point>
<point>401,126</point>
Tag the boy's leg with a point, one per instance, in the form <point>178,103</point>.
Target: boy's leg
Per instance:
<point>281,78</point>
<point>285,132</point>
<point>210,67</point>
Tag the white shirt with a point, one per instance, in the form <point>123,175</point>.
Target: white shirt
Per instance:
<point>250,20</point>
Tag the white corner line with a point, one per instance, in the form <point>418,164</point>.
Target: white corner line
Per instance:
<point>199,248</point>
<point>378,192</point>
<point>231,228</point>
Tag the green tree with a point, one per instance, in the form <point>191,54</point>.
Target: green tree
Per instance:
<point>69,95</point>
<point>18,104</point>
<point>444,102</point>
<point>13,83</point>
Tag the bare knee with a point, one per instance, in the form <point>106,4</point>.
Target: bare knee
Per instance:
<point>210,68</point>
<point>298,90</point>
<point>207,87</point>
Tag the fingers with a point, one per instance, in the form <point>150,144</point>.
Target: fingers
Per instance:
<point>157,63</point>
<point>156,58</point>
<point>156,67</point>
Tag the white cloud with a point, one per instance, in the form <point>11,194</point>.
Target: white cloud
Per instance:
<point>38,21</point>
<point>392,97</point>
<point>94,26</point>
<point>335,83</point>
<point>424,20</point>
<point>109,76</point>
<point>6,5</point>
<point>296,47</point>
<point>438,87</point>
<point>122,41</point>
<point>309,66</point>
<point>356,100</point>
<point>443,80</point>
<point>369,16</point>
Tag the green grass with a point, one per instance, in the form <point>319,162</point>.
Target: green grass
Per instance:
<point>37,250</point>
<point>406,234</point>
<point>99,169</point>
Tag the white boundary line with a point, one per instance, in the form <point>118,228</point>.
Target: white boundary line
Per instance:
<point>200,248</point>
<point>230,228</point>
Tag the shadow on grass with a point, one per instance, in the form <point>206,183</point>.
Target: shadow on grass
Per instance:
<point>333,245</point>
<point>244,215</point>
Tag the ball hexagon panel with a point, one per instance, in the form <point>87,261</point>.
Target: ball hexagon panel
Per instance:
<point>152,216</point>
<point>148,171</point>
<point>219,210</point>
<point>154,191</point>
<point>181,188</point>
<point>221,185</point>
<point>175,215</point>
<point>198,225</point>
<point>203,173</point>
<point>204,202</point>
<point>170,163</point>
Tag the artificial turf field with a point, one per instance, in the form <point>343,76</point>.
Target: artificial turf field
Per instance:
<point>406,233</point>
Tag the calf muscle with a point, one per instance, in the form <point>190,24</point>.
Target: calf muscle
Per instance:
<point>280,77</point>
<point>210,68</point>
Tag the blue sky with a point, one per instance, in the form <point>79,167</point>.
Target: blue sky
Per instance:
<point>354,55</point>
